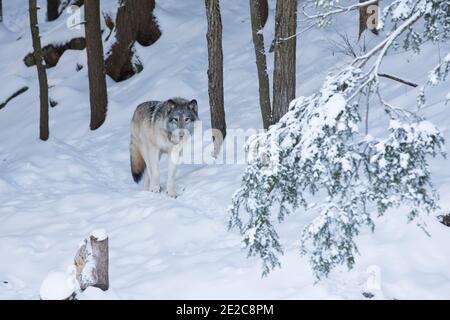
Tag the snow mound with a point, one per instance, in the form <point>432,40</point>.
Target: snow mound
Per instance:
<point>57,286</point>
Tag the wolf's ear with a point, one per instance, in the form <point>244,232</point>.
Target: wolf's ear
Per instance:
<point>170,104</point>
<point>193,106</point>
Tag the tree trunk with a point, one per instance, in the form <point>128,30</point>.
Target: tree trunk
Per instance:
<point>263,7</point>
<point>365,19</point>
<point>96,70</point>
<point>42,75</point>
<point>261,64</point>
<point>134,22</point>
<point>1,11</point>
<point>285,57</point>
<point>92,261</point>
<point>52,10</point>
<point>215,73</point>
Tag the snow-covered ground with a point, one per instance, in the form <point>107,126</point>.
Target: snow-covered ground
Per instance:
<point>54,193</point>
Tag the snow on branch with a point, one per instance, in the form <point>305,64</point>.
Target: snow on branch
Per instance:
<point>436,76</point>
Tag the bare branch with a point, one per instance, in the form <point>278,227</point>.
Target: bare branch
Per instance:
<point>345,46</point>
<point>408,83</point>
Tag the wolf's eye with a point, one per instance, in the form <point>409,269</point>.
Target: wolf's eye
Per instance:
<point>173,120</point>
<point>187,119</point>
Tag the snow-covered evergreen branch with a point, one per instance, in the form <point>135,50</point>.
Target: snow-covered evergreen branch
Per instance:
<point>317,152</point>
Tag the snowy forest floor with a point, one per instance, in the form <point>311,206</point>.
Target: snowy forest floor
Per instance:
<point>54,193</point>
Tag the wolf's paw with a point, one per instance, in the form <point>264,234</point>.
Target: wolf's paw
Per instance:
<point>155,189</point>
<point>172,194</point>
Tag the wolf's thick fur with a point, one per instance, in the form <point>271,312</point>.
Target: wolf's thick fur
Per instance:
<point>159,127</point>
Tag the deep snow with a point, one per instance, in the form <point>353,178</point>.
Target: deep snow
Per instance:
<point>55,193</point>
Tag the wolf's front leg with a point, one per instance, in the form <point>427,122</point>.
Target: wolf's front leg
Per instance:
<point>146,179</point>
<point>154,155</point>
<point>174,158</point>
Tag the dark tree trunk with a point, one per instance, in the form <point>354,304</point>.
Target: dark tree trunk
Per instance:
<point>261,64</point>
<point>364,18</point>
<point>134,22</point>
<point>1,11</point>
<point>263,7</point>
<point>42,75</point>
<point>215,72</point>
<point>52,10</point>
<point>96,70</point>
<point>285,57</point>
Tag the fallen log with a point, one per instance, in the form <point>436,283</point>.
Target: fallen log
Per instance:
<point>15,94</point>
<point>53,52</point>
<point>408,83</point>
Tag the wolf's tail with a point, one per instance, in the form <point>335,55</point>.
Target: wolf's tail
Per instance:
<point>136,161</point>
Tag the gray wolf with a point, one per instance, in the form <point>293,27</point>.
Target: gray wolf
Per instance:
<point>160,127</point>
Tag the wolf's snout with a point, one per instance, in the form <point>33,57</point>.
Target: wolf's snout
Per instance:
<point>181,133</point>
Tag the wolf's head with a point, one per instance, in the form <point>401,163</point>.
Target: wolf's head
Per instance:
<point>180,115</point>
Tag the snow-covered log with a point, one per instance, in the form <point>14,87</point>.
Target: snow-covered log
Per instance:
<point>91,261</point>
<point>54,51</point>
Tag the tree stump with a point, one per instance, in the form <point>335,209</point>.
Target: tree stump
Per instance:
<point>91,262</point>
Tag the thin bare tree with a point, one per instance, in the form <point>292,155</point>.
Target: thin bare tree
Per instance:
<point>215,72</point>
<point>261,63</point>
<point>96,70</point>
<point>1,11</point>
<point>42,74</point>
